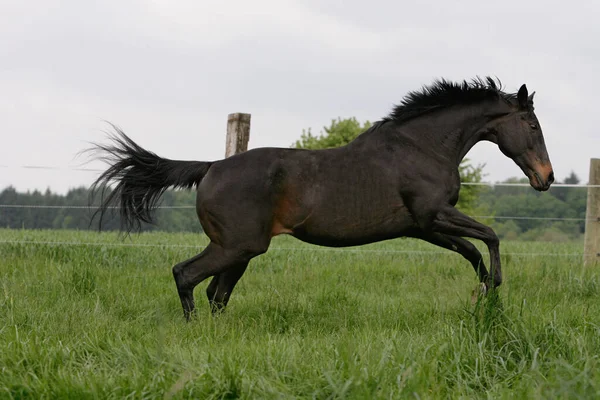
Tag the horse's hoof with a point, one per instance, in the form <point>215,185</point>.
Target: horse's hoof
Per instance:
<point>483,288</point>
<point>479,292</point>
<point>216,307</point>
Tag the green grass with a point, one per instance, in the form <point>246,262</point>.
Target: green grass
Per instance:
<point>105,322</point>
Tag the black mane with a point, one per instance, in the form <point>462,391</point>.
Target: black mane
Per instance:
<point>443,93</point>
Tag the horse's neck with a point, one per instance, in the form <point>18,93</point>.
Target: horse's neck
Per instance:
<point>470,137</point>
<point>450,133</point>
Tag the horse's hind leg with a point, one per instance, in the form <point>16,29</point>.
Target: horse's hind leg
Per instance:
<point>212,261</point>
<point>220,288</point>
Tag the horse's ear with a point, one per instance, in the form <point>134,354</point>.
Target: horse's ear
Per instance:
<point>522,97</point>
<point>530,98</point>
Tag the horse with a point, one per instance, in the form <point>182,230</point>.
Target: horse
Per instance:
<point>399,178</point>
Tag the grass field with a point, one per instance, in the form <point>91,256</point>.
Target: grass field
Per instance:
<point>104,321</point>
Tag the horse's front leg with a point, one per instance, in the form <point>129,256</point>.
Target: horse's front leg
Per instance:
<point>462,247</point>
<point>450,221</point>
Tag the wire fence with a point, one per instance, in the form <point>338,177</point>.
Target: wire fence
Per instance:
<point>286,248</point>
<point>82,169</point>
<point>489,184</point>
<point>311,249</point>
<point>92,207</point>
<point>73,207</point>
<point>53,168</point>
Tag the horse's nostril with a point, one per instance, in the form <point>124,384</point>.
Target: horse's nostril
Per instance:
<point>551,177</point>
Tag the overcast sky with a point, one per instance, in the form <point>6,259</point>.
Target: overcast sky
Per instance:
<point>168,72</point>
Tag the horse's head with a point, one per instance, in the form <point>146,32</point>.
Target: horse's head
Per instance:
<point>519,136</point>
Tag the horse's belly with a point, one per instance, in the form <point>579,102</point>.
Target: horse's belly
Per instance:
<point>353,227</point>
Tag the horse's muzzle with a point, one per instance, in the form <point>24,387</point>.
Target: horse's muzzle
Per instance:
<point>539,183</point>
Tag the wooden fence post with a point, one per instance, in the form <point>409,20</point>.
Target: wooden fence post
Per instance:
<point>591,248</point>
<point>238,133</point>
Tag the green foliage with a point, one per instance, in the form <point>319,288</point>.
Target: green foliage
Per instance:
<point>468,200</point>
<point>339,133</point>
<point>104,321</point>
<point>523,203</point>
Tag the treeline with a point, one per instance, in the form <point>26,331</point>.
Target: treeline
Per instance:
<point>566,204</point>
<point>30,211</point>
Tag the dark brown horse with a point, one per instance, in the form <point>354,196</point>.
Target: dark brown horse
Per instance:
<point>398,178</point>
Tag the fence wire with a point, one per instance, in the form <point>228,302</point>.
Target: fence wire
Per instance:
<point>81,169</point>
<point>70,207</point>
<point>302,249</point>
<point>146,245</point>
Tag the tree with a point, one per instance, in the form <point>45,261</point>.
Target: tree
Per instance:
<point>469,196</point>
<point>339,133</point>
<point>342,131</point>
<point>537,215</point>
<point>572,179</point>
<point>563,193</point>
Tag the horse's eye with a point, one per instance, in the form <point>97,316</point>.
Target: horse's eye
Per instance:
<point>533,126</point>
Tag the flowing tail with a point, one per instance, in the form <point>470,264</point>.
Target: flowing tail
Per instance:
<point>140,178</point>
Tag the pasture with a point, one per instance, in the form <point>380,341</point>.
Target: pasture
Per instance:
<point>379,321</point>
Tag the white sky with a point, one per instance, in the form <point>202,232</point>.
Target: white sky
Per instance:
<point>169,72</point>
